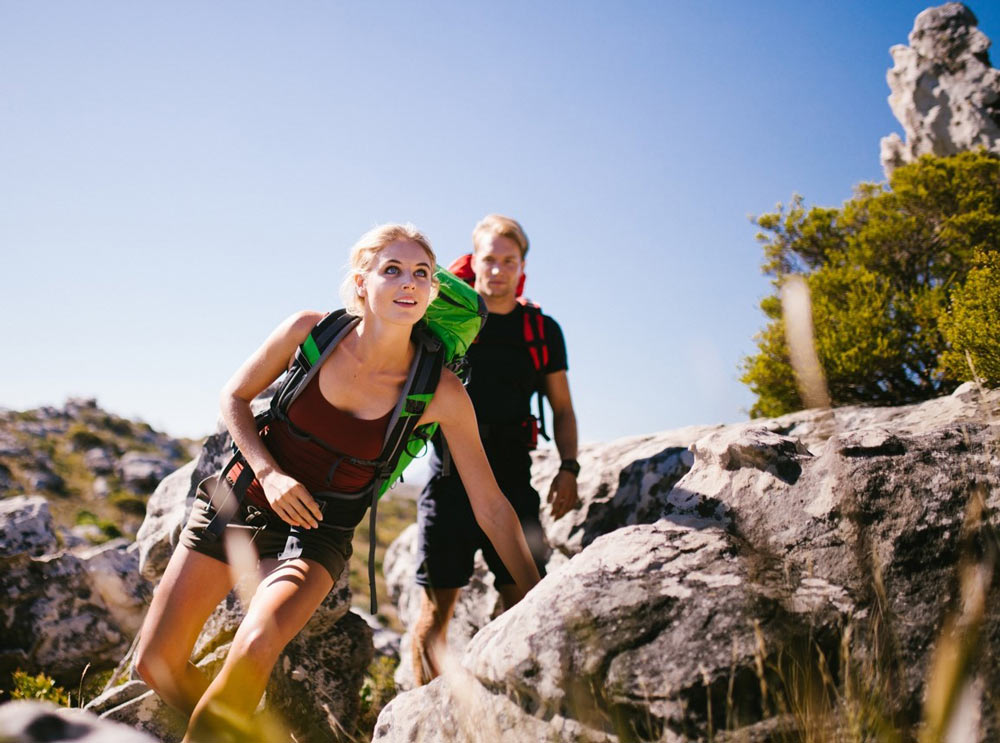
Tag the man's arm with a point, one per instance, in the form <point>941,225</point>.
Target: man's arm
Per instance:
<point>562,492</point>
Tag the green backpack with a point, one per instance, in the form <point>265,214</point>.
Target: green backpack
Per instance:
<point>450,325</point>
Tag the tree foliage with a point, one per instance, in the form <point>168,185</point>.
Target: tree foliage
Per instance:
<point>883,271</point>
<point>972,325</point>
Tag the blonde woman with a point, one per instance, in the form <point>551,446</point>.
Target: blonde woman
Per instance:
<point>350,399</point>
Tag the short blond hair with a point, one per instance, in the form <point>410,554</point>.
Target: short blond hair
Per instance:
<point>363,255</point>
<point>498,225</point>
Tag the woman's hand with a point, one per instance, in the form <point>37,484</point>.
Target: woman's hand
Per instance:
<point>290,500</point>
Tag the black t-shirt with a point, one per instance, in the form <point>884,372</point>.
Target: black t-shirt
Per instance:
<point>502,382</point>
<point>503,375</point>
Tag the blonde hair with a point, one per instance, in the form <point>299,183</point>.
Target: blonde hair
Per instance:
<point>500,226</point>
<point>363,255</point>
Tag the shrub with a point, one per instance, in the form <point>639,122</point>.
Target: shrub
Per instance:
<point>881,270</point>
<point>972,325</point>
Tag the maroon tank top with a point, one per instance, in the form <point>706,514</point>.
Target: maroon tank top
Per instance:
<point>310,463</point>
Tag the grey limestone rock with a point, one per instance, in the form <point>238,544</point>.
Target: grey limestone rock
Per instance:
<point>945,93</point>
<point>27,527</point>
<point>783,538</point>
<point>142,471</point>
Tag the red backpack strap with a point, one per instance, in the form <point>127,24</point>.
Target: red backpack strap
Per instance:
<point>534,334</point>
<point>534,339</point>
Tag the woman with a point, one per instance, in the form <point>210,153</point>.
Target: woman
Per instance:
<point>389,286</point>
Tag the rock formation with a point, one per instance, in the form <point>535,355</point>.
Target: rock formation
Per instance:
<point>944,91</point>
<point>765,562</point>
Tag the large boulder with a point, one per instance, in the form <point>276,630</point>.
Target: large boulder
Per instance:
<point>792,554</point>
<point>945,93</point>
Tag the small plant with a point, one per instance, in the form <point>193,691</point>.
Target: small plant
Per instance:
<point>378,689</point>
<point>40,687</point>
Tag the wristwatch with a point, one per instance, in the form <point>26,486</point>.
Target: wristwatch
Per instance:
<point>571,466</point>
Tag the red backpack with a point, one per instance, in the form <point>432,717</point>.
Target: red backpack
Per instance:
<point>534,338</point>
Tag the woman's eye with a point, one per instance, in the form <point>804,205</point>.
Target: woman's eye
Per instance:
<point>392,269</point>
<point>421,273</point>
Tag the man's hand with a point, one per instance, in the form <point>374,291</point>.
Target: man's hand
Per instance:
<point>562,494</point>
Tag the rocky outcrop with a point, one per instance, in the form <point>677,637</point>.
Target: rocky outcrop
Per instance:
<point>765,562</point>
<point>944,91</point>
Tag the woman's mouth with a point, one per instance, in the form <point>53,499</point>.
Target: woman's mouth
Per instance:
<point>405,302</point>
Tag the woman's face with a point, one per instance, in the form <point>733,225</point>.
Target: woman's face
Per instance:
<point>397,286</point>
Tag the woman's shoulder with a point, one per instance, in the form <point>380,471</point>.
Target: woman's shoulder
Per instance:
<point>299,324</point>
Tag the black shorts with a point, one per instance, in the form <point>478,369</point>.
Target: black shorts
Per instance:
<point>448,535</point>
<point>329,546</point>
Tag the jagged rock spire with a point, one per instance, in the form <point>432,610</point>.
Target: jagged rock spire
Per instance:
<point>945,93</point>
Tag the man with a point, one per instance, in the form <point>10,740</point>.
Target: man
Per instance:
<point>503,379</point>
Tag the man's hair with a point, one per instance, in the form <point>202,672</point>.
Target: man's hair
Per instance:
<point>497,225</point>
<point>363,255</point>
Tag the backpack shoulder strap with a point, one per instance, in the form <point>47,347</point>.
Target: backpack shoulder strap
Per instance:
<point>538,348</point>
<point>421,382</point>
<point>309,357</point>
<point>534,335</point>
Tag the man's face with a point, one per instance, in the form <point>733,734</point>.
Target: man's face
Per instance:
<point>498,266</point>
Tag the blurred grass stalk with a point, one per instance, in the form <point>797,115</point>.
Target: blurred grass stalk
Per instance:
<point>797,310</point>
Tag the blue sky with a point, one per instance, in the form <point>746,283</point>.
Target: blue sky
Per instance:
<point>175,178</point>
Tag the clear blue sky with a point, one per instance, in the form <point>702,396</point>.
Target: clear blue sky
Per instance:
<point>175,178</point>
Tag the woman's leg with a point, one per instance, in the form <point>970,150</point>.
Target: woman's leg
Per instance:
<point>287,597</point>
<point>192,586</point>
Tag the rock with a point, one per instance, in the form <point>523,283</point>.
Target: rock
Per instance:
<point>44,480</point>
<point>142,471</point>
<point>39,722</point>
<point>54,621</point>
<point>167,511</point>
<point>101,488</point>
<point>98,461</point>
<point>944,91</point>
<point>786,542</point>
<point>113,570</point>
<point>385,640</point>
<point>612,493</point>
<point>26,527</point>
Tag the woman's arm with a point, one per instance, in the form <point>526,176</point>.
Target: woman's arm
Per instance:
<point>452,409</point>
<point>289,498</point>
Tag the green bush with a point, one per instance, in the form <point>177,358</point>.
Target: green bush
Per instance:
<point>972,325</point>
<point>881,271</point>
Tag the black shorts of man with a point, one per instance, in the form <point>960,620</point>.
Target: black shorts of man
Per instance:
<point>503,379</point>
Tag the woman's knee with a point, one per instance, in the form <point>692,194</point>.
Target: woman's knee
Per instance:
<point>156,665</point>
<point>258,645</point>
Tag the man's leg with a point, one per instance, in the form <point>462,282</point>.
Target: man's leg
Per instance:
<point>430,634</point>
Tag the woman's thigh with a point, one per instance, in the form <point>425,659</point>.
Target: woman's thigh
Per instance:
<point>287,597</point>
<point>192,586</point>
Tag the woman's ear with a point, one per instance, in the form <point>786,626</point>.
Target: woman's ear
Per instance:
<point>359,282</point>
